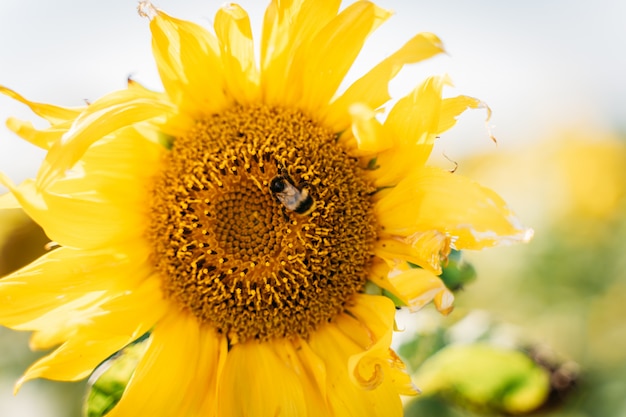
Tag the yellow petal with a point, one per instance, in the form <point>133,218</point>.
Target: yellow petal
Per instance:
<point>254,371</point>
<point>110,184</point>
<point>319,68</point>
<point>417,287</point>
<point>112,327</point>
<point>117,169</point>
<point>41,138</point>
<point>368,132</point>
<point>188,59</point>
<point>105,116</point>
<point>428,253</point>
<point>413,124</point>
<point>47,291</point>
<point>53,114</point>
<point>209,370</point>
<point>377,364</point>
<point>451,108</point>
<point>427,249</point>
<point>8,201</point>
<point>88,222</point>
<point>163,384</point>
<point>311,372</point>
<point>372,88</point>
<point>346,398</point>
<point>429,199</point>
<point>287,26</point>
<point>314,371</point>
<point>133,85</point>
<point>232,27</point>
<point>443,302</point>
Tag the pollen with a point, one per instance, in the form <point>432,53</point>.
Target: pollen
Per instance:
<point>228,249</point>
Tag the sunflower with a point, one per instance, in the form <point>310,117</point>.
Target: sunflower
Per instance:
<point>254,219</point>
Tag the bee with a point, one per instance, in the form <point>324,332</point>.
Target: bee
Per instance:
<point>295,199</point>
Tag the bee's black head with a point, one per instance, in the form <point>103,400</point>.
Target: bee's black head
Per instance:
<point>277,184</point>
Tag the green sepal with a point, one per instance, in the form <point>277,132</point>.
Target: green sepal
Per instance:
<point>108,382</point>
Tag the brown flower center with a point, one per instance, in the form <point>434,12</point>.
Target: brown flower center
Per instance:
<point>262,224</point>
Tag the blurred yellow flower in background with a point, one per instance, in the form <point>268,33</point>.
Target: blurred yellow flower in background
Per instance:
<point>249,218</point>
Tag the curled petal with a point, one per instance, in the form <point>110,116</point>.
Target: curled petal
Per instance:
<point>370,368</point>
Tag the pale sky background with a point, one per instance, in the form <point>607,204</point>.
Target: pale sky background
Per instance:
<point>541,65</point>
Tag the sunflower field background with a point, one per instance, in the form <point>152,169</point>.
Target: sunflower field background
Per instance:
<point>538,329</point>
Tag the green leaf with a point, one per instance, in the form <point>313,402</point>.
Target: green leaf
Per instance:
<point>485,377</point>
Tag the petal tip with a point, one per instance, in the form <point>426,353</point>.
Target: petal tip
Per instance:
<point>146,9</point>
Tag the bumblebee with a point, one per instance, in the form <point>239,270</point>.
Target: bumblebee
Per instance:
<point>295,199</point>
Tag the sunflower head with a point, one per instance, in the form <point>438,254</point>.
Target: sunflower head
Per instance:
<point>240,215</point>
<point>262,225</point>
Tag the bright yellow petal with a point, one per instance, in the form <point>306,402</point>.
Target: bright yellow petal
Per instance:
<point>8,201</point>
<point>105,116</point>
<point>105,195</point>
<point>53,114</point>
<point>254,372</point>
<point>451,108</point>
<point>209,370</point>
<point>287,26</point>
<point>133,85</point>
<point>377,364</point>
<point>429,199</point>
<point>47,291</point>
<point>444,301</point>
<point>188,59</point>
<point>413,124</point>
<point>314,371</point>
<point>372,88</point>
<point>345,397</point>
<point>41,138</point>
<point>416,287</point>
<point>90,222</point>
<point>109,329</point>
<point>232,26</point>
<point>427,249</point>
<point>117,169</point>
<point>320,67</point>
<point>163,384</point>
<point>367,131</point>
<point>311,372</point>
